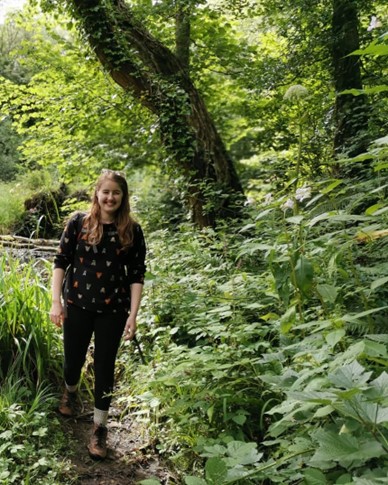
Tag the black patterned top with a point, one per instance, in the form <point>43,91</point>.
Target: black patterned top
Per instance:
<point>99,276</point>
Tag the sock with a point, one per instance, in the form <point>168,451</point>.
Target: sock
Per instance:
<point>100,417</point>
<point>71,388</point>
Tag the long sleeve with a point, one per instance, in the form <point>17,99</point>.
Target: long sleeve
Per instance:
<point>135,260</point>
<point>68,243</point>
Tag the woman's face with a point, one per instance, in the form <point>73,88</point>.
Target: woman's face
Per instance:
<point>109,197</point>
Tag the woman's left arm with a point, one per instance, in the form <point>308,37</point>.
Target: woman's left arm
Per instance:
<point>130,326</point>
<point>136,268</point>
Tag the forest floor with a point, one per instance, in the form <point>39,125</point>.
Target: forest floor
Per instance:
<point>131,456</point>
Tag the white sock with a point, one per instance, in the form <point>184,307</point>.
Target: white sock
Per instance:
<point>100,417</point>
<point>71,388</point>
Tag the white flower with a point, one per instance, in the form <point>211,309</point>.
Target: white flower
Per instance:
<point>268,198</point>
<point>249,201</point>
<point>374,23</point>
<point>296,92</point>
<point>289,204</point>
<point>303,193</point>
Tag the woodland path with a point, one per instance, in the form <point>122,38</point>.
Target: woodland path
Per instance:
<point>131,455</point>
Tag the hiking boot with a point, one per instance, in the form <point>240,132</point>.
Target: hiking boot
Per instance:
<point>97,444</point>
<point>68,404</point>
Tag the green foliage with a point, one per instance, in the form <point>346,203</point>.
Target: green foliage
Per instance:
<point>30,443</point>
<point>11,206</point>
<point>30,205</point>
<point>271,335</point>
<point>69,114</point>
<point>9,156</point>
<point>29,345</point>
<point>31,440</point>
<point>265,341</point>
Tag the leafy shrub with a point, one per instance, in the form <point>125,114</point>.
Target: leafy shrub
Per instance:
<point>31,439</point>
<point>251,331</point>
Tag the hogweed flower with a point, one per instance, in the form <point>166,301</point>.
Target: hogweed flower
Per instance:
<point>289,204</point>
<point>303,193</point>
<point>268,198</point>
<point>296,92</point>
<point>374,23</point>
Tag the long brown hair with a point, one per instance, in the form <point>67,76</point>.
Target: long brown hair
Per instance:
<point>122,217</point>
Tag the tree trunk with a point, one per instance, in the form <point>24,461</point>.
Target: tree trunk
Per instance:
<point>140,63</point>
<point>182,36</point>
<point>351,113</point>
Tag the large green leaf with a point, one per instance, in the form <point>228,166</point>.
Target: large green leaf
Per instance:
<point>240,453</point>
<point>216,471</point>
<point>195,481</point>
<point>372,49</point>
<point>350,376</point>
<point>304,274</point>
<point>344,448</point>
<point>328,293</point>
<point>313,476</point>
<point>334,337</point>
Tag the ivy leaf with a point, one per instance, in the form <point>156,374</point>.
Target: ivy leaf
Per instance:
<point>379,387</point>
<point>363,411</point>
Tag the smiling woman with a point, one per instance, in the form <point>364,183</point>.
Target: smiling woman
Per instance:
<point>104,251</point>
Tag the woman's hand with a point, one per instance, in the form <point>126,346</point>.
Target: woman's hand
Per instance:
<point>57,313</point>
<point>130,328</point>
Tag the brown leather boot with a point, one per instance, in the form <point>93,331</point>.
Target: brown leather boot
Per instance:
<point>67,406</point>
<point>97,444</point>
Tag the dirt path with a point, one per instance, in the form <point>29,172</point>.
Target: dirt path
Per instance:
<point>131,457</point>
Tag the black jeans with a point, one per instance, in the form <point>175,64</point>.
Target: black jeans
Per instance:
<point>78,328</point>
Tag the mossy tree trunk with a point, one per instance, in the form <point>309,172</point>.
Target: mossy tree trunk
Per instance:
<point>351,112</point>
<point>159,80</point>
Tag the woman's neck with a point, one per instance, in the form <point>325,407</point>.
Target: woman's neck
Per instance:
<point>107,220</point>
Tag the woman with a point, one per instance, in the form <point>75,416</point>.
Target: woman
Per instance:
<point>102,253</point>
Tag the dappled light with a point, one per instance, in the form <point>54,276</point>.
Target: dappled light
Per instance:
<point>253,137</point>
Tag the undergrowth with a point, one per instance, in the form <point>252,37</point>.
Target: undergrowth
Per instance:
<point>266,343</point>
<point>33,448</point>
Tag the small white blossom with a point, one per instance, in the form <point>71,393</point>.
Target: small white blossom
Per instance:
<point>303,193</point>
<point>249,201</point>
<point>374,23</point>
<point>289,204</point>
<point>268,198</point>
<point>296,92</point>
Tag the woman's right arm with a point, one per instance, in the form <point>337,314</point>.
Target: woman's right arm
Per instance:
<point>57,310</point>
<point>62,260</point>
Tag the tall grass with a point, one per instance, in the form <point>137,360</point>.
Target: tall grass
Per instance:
<point>33,447</point>
<point>13,195</point>
<point>11,205</point>
<point>29,342</point>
